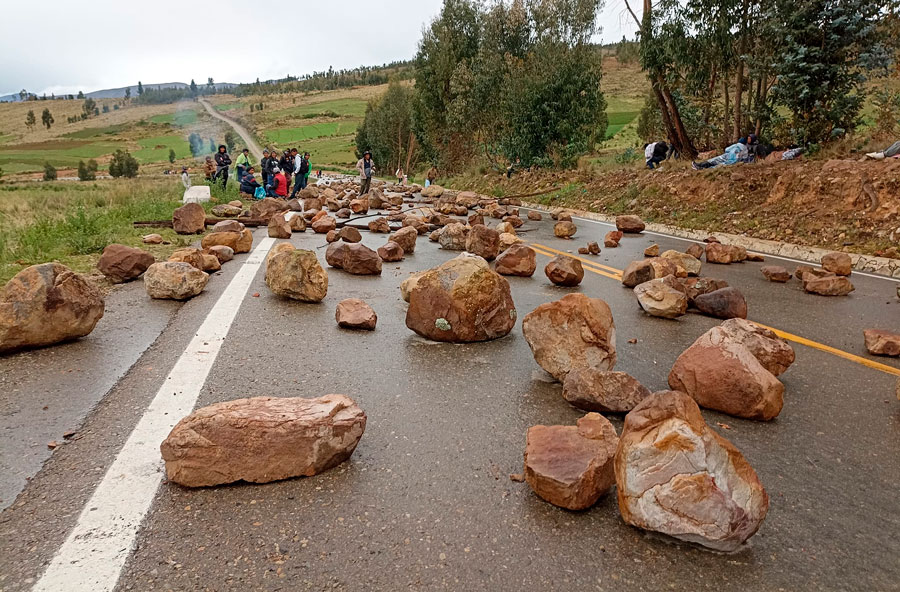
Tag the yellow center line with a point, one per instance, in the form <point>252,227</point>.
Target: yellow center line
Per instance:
<point>616,274</point>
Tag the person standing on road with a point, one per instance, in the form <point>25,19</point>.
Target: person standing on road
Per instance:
<point>431,176</point>
<point>301,173</point>
<point>399,174</point>
<point>264,167</point>
<point>365,166</point>
<point>209,168</point>
<point>272,165</point>
<point>223,161</point>
<point>286,164</point>
<point>241,164</point>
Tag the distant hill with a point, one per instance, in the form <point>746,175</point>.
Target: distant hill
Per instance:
<point>118,93</point>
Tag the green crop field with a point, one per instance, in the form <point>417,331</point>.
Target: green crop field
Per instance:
<point>619,120</point>
<point>336,150</point>
<point>156,149</point>
<point>96,132</point>
<point>229,106</point>
<point>295,135</point>
<point>61,153</point>
<point>179,118</point>
<point>347,107</point>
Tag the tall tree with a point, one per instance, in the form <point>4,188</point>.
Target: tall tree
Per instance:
<point>193,87</point>
<point>80,94</point>
<point>47,118</point>
<point>30,120</point>
<point>127,92</point>
<point>140,88</point>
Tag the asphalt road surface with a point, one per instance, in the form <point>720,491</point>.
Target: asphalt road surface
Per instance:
<point>426,502</point>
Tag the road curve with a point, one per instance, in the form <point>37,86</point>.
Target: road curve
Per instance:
<point>241,130</point>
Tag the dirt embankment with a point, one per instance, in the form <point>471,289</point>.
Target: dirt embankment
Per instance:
<point>836,204</point>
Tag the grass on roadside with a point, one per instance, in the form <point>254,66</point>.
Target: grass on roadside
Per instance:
<point>72,222</point>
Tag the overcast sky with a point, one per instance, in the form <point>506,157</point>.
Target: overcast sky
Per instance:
<point>63,46</point>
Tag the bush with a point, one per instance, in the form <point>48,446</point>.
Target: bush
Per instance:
<point>123,164</point>
<point>172,155</point>
<point>630,155</point>
<point>87,172</point>
<point>49,172</point>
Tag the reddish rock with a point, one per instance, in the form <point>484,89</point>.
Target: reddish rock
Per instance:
<point>174,280</point>
<point>324,225</point>
<point>379,225</point>
<point>603,391</point>
<point>583,251</point>
<point>120,263</point>
<point>662,297</point>
<point>476,219</point>
<point>536,216</point>
<point>652,251</point>
<point>738,254</point>
<point>349,235</point>
<point>223,254</point>
<point>189,219</point>
<point>262,439</point>
<point>518,259</point>
<point>727,303</point>
<point>343,213</point>
<point>773,352</point>
<point>461,301</point>
<point>829,285</point>
<point>645,270</point>
<point>266,208</point>
<point>189,255</point>
<point>279,227</point>
<point>691,264</point>
<point>837,263</point>
<point>334,254</point>
<point>296,274</point>
<point>483,241</point>
<point>565,229</point>
<point>695,250</point>
<point>718,253</point>
<point>571,466</point>
<point>630,223</point>
<point>359,206</point>
<point>406,238</point>
<point>676,476</point>
<point>297,223</point>
<point>361,260</point>
<point>564,271</point>
<point>882,343</point>
<point>390,252</point>
<point>571,333</point>
<point>417,223</point>
<point>353,313</point>
<point>239,242</point>
<point>593,248</point>
<point>694,287</point>
<point>612,238</point>
<point>515,221</point>
<point>211,263</point>
<point>228,226</point>
<point>776,273</point>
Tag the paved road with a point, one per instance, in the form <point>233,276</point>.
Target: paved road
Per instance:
<point>255,150</point>
<point>425,503</point>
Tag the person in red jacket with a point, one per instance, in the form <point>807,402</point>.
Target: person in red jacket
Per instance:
<point>279,184</point>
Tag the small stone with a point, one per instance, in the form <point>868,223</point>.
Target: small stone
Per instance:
<point>564,271</point>
<point>837,263</point>
<point>726,303</point>
<point>593,248</point>
<point>718,253</point>
<point>612,238</point>
<point>152,239</point>
<point>603,391</point>
<point>776,273</point>
<point>695,250</point>
<point>583,251</point>
<point>223,254</point>
<point>536,216</point>
<point>882,343</point>
<point>652,251</point>
<point>565,229</point>
<point>379,225</point>
<point>353,313</point>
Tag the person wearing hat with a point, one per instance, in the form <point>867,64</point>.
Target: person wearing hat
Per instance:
<point>242,164</point>
<point>185,178</point>
<point>365,166</point>
<point>279,185</point>
<point>249,183</point>
<point>223,161</point>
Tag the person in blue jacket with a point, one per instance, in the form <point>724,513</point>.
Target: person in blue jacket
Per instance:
<point>737,152</point>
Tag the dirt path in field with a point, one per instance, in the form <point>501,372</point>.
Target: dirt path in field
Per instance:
<point>242,132</point>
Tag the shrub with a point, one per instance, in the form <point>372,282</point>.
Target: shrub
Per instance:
<point>87,172</point>
<point>49,172</point>
<point>123,164</point>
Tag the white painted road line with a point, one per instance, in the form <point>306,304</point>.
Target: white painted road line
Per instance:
<point>95,552</point>
<point>699,242</point>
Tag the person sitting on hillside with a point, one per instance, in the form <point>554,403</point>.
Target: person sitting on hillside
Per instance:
<point>185,178</point>
<point>655,153</point>
<point>242,164</point>
<point>892,151</point>
<point>223,161</point>
<point>249,184</point>
<point>737,152</point>
<point>279,184</point>
<point>209,169</point>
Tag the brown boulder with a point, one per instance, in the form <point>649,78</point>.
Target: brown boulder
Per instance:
<point>312,204</point>
<point>564,271</point>
<point>349,235</point>
<point>266,208</point>
<point>571,333</point>
<point>645,270</point>
<point>518,259</point>
<point>694,287</point>
<point>507,240</point>
<point>189,255</point>
<point>612,238</point>
<point>324,225</point>
<point>776,273</point>
<point>565,229</point>
<point>390,252</point>
<point>240,242</point>
<point>476,219</point>
<point>297,224</point>
<point>593,248</point>
<point>353,313</point>
<point>571,466</point>
<point>774,353</point>
<point>297,274</point>
<point>726,303</point>
<point>461,301</point>
<point>360,205</point>
<point>189,219</point>
<point>334,254</point>
<point>343,213</point>
<point>483,241</point>
<point>279,227</point>
<point>505,228</point>
<point>719,253</point>
<point>228,226</point>
<point>222,253</point>
<point>691,264</point>
<point>882,343</point>
<point>536,216</point>
<point>676,476</point>
<point>174,280</point>
<point>829,285</point>
<point>837,263</point>
<point>630,223</point>
<point>453,237</point>
<point>652,251</point>
<point>662,297</point>
<point>695,250</point>
<point>406,238</point>
<point>211,263</point>
<point>262,439</point>
<point>361,260</point>
<point>603,391</point>
<point>46,304</point>
<point>379,225</point>
<point>120,263</point>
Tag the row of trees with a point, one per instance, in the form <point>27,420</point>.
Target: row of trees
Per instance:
<point>330,79</point>
<point>122,164</point>
<point>720,69</point>
<point>515,81</point>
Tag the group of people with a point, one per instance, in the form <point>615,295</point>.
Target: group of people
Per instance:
<point>746,149</point>
<point>276,172</point>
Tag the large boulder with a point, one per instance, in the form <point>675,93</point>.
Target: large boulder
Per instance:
<point>691,264</point>
<point>433,191</point>
<point>518,259</point>
<point>390,251</point>
<point>334,254</point>
<point>409,284</point>
<point>725,303</point>
<point>279,227</point>
<point>189,219</point>
<point>46,304</point>
<point>662,298</point>
<point>571,333</point>
<point>730,369</point>
<point>629,223</point>
<point>564,271</point>
<point>571,466</point>
<point>453,237</point>
<point>565,229</point>
<point>676,476</point>
<point>460,301</point>
<point>121,263</point>
<point>266,208</point>
<point>353,313</point>
<point>603,391</point>
<point>638,272</point>
<point>507,240</point>
<point>211,263</point>
<point>694,287</point>
<point>297,274</point>
<point>324,225</point>
<point>379,225</point>
<point>882,343</point>
<point>406,238</point>
<point>228,226</point>
<point>222,253</point>
<point>483,241</point>
<point>174,280</point>
<point>361,260</point>
<point>612,238</point>
<point>262,439</point>
<point>240,242</point>
<point>827,285</point>
<point>837,263</point>
<point>190,255</point>
<point>719,253</point>
<point>360,205</point>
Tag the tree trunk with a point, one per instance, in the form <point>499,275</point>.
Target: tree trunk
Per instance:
<point>739,77</point>
<point>685,146</point>
<point>727,109</point>
<point>707,109</point>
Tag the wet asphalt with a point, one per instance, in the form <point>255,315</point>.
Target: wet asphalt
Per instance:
<point>426,502</point>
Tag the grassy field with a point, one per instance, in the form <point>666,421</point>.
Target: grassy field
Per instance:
<point>156,148</point>
<point>72,222</point>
